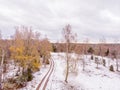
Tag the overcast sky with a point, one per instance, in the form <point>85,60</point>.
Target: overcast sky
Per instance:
<point>91,19</point>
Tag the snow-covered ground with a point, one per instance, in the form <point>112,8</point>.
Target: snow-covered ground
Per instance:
<point>90,79</point>
<point>11,70</point>
<point>37,77</point>
<point>32,85</point>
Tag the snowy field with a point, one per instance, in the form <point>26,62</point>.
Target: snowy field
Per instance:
<point>90,79</point>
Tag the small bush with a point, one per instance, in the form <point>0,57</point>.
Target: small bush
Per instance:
<point>29,75</point>
<point>92,57</point>
<point>11,80</point>
<point>111,68</point>
<point>47,61</point>
<point>23,79</point>
<point>35,67</point>
<point>104,62</point>
<point>9,86</point>
<point>96,60</point>
<point>18,82</point>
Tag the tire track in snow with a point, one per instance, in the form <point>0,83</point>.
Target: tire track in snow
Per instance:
<point>45,79</point>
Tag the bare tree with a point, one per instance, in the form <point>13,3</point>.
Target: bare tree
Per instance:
<point>68,37</point>
<point>85,46</point>
<point>2,56</point>
<point>86,41</point>
<point>1,68</point>
<point>115,54</point>
<point>102,41</point>
<point>0,35</point>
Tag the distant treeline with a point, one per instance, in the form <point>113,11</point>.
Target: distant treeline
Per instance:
<point>98,49</point>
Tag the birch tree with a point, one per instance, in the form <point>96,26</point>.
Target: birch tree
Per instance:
<point>68,37</point>
<point>3,50</point>
<point>115,53</point>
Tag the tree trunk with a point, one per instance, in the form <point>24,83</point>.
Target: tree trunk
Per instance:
<point>67,68</point>
<point>67,72</point>
<point>117,64</point>
<point>44,59</point>
<point>0,78</point>
<point>1,74</point>
<point>97,64</point>
<point>83,64</point>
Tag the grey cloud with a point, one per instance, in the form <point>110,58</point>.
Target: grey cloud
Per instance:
<point>88,18</point>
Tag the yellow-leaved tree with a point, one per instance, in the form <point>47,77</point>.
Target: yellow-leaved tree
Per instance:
<point>45,50</point>
<point>24,50</point>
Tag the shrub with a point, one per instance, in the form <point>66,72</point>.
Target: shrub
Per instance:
<point>18,82</point>
<point>35,66</point>
<point>11,80</point>
<point>90,50</point>
<point>96,60</point>
<point>104,62</point>
<point>21,80</point>
<point>29,74</point>
<point>47,61</point>
<point>9,86</point>
<point>111,68</point>
<point>92,57</point>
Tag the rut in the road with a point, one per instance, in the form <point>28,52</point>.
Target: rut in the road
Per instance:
<point>45,79</point>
